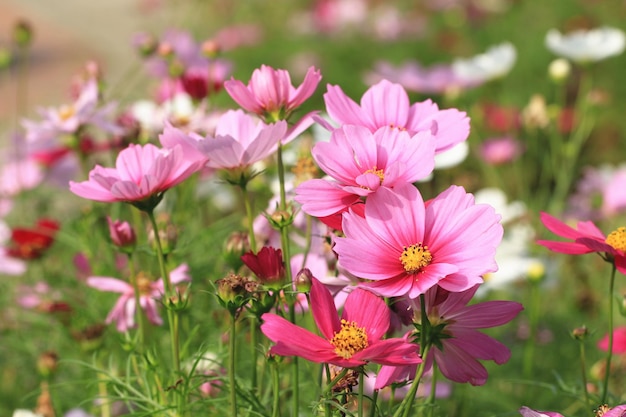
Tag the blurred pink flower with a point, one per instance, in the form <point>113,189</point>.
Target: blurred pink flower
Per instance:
<point>270,93</point>
<point>603,185</point>
<point>587,238</point>
<point>140,177</point>
<point>353,341</point>
<point>459,345</point>
<point>405,247</point>
<point>436,79</point>
<point>619,341</point>
<point>387,104</point>
<point>498,151</point>
<point>123,312</point>
<point>122,233</point>
<point>360,163</point>
<point>529,412</point>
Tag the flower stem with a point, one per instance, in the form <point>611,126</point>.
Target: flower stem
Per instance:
<point>609,355</point>
<point>231,367</point>
<point>276,390</point>
<point>254,336</point>
<point>248,204</point>
<point>361,372</point>
<point>529,348</point>
<point>583,369</point>
<point>168,292</point>
<point>138,310</point>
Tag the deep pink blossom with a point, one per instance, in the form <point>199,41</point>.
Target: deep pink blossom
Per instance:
<point>587,238</point>
<point>619,341</point>
<point>141,175</point>
<point>349,342</point>
<point>270,93</point>
<point>406,247</point>
<point>123,313</point>
<point>360,162</point>
<point>387,104</point>
<point>459,346</point>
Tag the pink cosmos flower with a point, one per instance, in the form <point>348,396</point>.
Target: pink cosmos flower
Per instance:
<point>123,312</point>
<point>140,177</point>
<point>406,247</point>
<point>529,412</point>
<point>349,342</point>
<point>498,151</point>
<point>361,162</point>
<point>270,93</point>
<point>587,238</point>
<point>387,104</point>
<point>122,233</point>
<point>619,341</point>
<point>459,345</point>
<point>599,184</point>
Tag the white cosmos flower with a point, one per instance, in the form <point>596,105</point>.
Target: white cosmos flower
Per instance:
<point>495,63</point>
<point>587,45</point>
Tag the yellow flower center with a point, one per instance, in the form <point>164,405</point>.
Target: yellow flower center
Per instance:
<point>379,172</point>
<point>415,257</point>
<point>349,340</point>
<point>144,284</point>
<point>400,128</point>
<point>617,239</point>
<point>65,112</point>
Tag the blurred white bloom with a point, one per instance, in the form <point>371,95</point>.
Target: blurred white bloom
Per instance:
<point>452,157</point>
<point>25,413</point>
<point>495,63</point>
<point>587,45</point>
<point>497,199</point>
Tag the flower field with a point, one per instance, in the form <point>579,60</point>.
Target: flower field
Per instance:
<point>321,208</point>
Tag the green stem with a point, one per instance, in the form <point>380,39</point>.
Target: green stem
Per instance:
<point>138,310</point>
<point>168,293</point>
<point>254,336</point>
<point>248,204</point>
<point>583,368</point>
<point>529,348</point>
<point>105,407</point>
<point>374,401</point>
<point>361,372</point>
<point>609,356</point>
<point>231,367</point>
<point>276,390</point>
<point>407,403</point>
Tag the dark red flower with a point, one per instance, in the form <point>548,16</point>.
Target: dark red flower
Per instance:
<point>32,243</point>
<point>267,265</point>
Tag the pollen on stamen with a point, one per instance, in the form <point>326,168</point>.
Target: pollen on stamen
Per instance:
<point>415,257</point>
<point>349,340</point>
<point>65,112</point>
<point>378,172</point>
<point>617,239</point>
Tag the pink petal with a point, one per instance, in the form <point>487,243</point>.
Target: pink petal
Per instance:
<point>109,284</point>
<point>344,110</point>
<point>324,310</point>
<point>369,311</point>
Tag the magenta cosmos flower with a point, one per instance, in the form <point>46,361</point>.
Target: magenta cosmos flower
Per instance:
<point>360,162</point>
<point>459,345</point>
<point>587,238</point>
<point>123,312</point>
<point>619,341</point>
<point>387,104</point>
<point>140,177</point>
<point>406,247</point>
<point>270,93</point>
<point>349,342</point>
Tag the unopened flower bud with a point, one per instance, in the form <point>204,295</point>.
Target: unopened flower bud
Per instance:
<point>536,271</point>
<point>165,49</point>
<point>5,58</point>
<point>90,338</point>
<point>580,333</point>
<point>47,364</point>
<point>304,280</point>
<point>146,44</point>
<point>267,265</point>
<point>122,234</point>
<point>176,68</point>
<point>559,70</point>
<point>210,48</point>
<point>280,219</point>
<point>22,33</point>
<point>233,292</point>
<point>236,245</point>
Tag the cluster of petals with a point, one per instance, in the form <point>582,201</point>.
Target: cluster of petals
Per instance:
<point>360,162</point>
<point>387,104</point>
<point>458,352</point>
<point>587,45</point>
<point>240,140</point>
<point>450,241</point>
<point>586,238</point>
<point>350,341</point>
<point>270,92</point>
<point>123,313</point>
<point>141,172</point>
<point>69,118</point>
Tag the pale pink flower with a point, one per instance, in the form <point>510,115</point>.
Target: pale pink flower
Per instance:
<point>529,412</point>
<point>387,104</point>
<point>602,184</point>
<point>123,312</point>
<point>140,177</point>
<point>270,93</point>
<point>349,342</point>
<point>9,265</point>
<point>406,247</point>
<point>498,151</point>
<point>122,233</point>
<point>459,346</point>
<point>360,163</point>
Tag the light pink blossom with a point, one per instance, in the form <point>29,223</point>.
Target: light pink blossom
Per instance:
<point>349,342</point>
<point>140,177</point>
<point>360,162</point>
<point>459,346</point>
<point>387,104</point>
<point>123,313</point>
<point>406,247</point>
<point>529,412</point>
<point>270,93</point>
